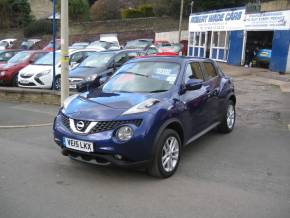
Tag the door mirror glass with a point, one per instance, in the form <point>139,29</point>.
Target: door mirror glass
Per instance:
<point>193,84</point>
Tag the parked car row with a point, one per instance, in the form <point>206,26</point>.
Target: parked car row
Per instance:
<point>34,68</point>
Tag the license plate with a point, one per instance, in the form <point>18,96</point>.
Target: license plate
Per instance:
<point>72,86</point>
<point>79,145</point>
<point>264,55</point>
<point>24,81</point>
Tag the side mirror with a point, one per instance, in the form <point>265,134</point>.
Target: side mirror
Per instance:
<point>88,85</point>
<point>193,84</point>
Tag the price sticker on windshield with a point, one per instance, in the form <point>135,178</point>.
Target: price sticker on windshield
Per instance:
<point>163,71</point>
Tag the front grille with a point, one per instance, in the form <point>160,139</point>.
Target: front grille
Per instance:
<point>65,120</point>
<point>109,125</point>
<point>74,81</point>
<point>27,84</point>
<point>101,126</point>
<point>25,76</point>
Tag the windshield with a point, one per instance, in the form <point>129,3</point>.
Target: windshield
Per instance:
<point>48,59</point>
<point>79,45</point>
<point>3,44</point>
<point>5,56</point>
<point>19,57</point>
<point>102,44</point>
<point>97,60</point>
<point>146,77</point>
<point>170,48</point>
<point>137,44</point>
<point>26,44</point>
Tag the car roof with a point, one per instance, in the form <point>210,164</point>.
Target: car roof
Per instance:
<point>175,59</point>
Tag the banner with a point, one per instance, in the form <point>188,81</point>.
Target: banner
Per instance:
<point>217,21</point>
<point>238,20</point>
<point>278,20</point>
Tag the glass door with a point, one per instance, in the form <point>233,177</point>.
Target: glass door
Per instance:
<point>198,42</point>
<point>219,46</point>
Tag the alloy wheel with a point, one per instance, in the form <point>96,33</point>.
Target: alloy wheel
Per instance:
<point>231,116</point>
<point>170,154</point>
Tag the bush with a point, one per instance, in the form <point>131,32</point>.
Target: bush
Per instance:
<point>142,11</point>
<point>147,10</point>
<point>131,13</point>
<point>78,9</point>
<point>105,10</point>
<point>38,27</point>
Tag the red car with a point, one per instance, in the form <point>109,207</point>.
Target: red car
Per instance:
<point>9,72</point>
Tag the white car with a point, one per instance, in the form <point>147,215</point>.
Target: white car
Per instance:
<point>106,42</point>
<point>40,73</point>
<point>6,43</point>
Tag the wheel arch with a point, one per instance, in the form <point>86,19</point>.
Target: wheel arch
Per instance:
<point>233,98</point>
<point>173,124</point>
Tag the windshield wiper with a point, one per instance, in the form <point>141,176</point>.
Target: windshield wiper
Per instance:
<point>138,74</point>
<point>161,90</point>
<point>87,66</point>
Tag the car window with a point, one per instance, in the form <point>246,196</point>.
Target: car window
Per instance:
<point>132,54</point>
<point>144,76</point>
<point>193,71</point>
<point>5,56</point>
<point>210,71</point>
<point>76,57</point>
<point>121,58</point>
<point>88,53</point>
<point>36,56</point>
<point>152,51</point>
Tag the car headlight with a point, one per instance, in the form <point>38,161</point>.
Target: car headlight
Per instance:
<point>142,107</point>
<point>92,77</point>
<point>2,73</point>
<point>69,100</point>
<point>44,73</point>
<point>124,133</point>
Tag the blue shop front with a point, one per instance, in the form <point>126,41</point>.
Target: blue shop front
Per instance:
<point>227,36</point>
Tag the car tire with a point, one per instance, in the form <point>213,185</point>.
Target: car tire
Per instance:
<point>165,161</point>
<point>57,83</point>
<point>15,80</point>
<point>228,122</point>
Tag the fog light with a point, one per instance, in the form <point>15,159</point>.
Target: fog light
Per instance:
<point>118,157</point>
<point>124,133</point>
<point>2,73</point>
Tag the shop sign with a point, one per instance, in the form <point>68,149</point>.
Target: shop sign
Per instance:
<point>278,20</point>
<point>217,21</point>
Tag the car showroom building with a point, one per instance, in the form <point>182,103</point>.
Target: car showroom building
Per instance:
<point>226,35</point>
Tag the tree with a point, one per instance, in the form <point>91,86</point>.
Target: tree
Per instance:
<point>78,9</point>
<point>105,10</point>
<point>14,13</point>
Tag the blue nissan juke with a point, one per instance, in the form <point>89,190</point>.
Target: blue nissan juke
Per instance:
<point>146,113</point>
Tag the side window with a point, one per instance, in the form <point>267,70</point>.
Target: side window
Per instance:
<point>152,51</point>
<point>193,71</point>
<point>132,54</point>
<point>121,59</point>
<point>210,71</point>
<point>88,53</point>
<point>76,57</point>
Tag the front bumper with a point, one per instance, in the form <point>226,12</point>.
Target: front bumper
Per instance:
<point>5,80</point>
<point>136,152</point>
<point>44,82</point>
